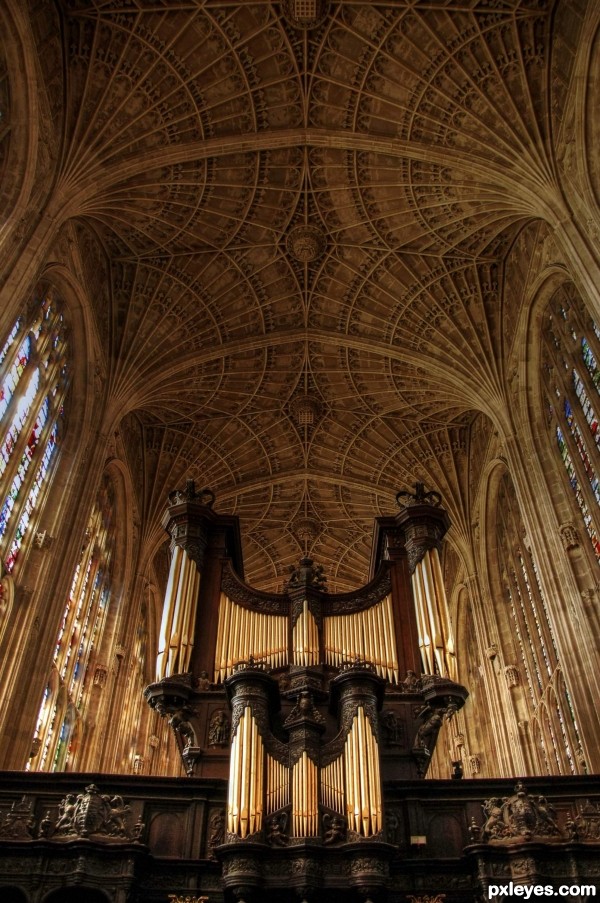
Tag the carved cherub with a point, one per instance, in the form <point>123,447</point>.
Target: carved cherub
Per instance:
<point>276,830</point>
<point>335,829</point>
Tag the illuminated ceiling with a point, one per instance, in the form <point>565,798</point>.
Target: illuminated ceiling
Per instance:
<point>307,223</point>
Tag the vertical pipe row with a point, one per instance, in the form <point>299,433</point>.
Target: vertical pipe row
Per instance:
<point>179,615</point>
<point>435,631</point>
<point>367,634</point>
<point>422,620</point>
<point>278,785</point>
<point>305,803</point>
<point>332,785</point>
<point>363,779</point>
<point>246,778</point>
<point>305,638</point>
<point>242,633</point>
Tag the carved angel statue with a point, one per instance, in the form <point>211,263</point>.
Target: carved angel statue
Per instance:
<point>335,829</point>
<point>276,830</point>
<point>428,731</point>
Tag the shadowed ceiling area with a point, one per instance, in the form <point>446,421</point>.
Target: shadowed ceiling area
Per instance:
<point>296,217</point>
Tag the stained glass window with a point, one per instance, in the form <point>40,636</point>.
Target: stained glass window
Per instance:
<point>571,350</point>
<point>79,638</point>
<point>33,382</point>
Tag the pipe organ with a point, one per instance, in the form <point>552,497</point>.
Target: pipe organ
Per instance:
<point>328,694</point>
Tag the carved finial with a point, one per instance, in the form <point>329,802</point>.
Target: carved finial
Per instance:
<point>307,574</point>
<point>190,494</point>
<point>418,497</point>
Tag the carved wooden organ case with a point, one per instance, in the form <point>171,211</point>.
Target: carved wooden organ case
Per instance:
<point>306,702</point>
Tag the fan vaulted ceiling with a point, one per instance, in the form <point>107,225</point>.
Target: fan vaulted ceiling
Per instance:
<point>306,207</point>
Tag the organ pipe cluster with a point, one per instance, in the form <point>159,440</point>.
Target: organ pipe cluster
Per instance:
<point>305,638</point>
<point>246,778</point>
<point>175,642</point>
<point>367,635</point>
<point>242,633</point>
<point>435,631</point>
<point>305,797</point>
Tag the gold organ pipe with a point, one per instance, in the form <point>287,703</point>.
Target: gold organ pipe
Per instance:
<point>178,616</point>
<point>424,639</point>
<point>245,774</point>
<point>167,614</point>
<point>233,637</point>
<point>227,612</point>
<point>295,801</point>
<point>305,627</point>
<point>219,643</point>
<point>372,788</point>
<point>251,775</point>
<point>377,784</point>
<point>304,787</point>
<point>387,603</point>
<point>234,778</point>
<point>388,630</point>
<point>444,613</point>
<point>356,775</point>
<point>371,637</point>
<point>305,793</point>
<point>431,600</point>
<point>362,760</point>
<point>258,796</point>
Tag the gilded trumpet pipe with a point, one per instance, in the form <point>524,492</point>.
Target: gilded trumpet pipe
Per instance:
<point>244,776</point>
<point>219,641</point>
<point>225,637</point>
<point>390,612</point>
<point>369,639</point>
<point>388,642</point>
<point>234,781</point>
<point>356,775</point>
<point>432,599</point>
<point>377,779</point>
<point>252,780</point>
<point>245,632</point>
<point>372,788</point>
<point>296,799</point>
<point>364,778</point>
<point>231,648</point>
<point>252,638</point>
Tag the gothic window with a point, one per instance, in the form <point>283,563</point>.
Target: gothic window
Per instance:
<point>529,640</point>
<point>33,381</point>
<point>571,351</point>
<point>80,640</point>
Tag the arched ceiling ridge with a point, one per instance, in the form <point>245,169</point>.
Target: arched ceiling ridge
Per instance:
<point>451,373</point>
<point>510,182</point>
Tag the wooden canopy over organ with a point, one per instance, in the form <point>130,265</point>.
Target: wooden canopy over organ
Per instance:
<point>287,696</point>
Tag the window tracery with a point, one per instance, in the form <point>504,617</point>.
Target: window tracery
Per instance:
<point>33,381</point>
<point>571,349</point>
